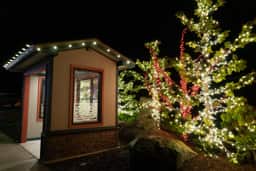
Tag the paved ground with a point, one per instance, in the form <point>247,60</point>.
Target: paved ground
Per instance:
<point>10,122</point>
<point>33,147</point>
<point>13,157</point>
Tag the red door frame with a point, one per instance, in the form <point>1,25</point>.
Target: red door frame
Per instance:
<point>25,107</point>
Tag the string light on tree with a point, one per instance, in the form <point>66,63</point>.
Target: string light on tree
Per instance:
<point>202,104</point>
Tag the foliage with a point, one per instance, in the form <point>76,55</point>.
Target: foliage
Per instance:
<point>201,105</point>
<point>129,85</point>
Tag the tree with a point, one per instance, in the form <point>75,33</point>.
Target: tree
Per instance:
<point>215,62</point>
<point>128,102</point>
<point>202,104</point>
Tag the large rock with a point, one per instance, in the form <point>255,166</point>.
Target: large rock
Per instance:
<point>129,131</point>
<point>144,125</point>
<point>159,153</point>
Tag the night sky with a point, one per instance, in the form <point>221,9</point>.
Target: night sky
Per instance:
<point>123,25</point>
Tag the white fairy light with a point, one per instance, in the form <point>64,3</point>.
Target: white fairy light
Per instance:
<point>55,47</point>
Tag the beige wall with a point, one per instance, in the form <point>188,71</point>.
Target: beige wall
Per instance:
<point>61,85</point>
<point>34,127</point>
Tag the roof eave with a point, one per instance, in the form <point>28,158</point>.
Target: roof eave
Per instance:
<point>42,50</point>
<point>20,58</point>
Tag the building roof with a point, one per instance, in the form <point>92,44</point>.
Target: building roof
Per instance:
<point>32,54</point>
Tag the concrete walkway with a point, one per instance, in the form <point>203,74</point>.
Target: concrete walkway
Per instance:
<point>33,147</point>
<point>13,157</point>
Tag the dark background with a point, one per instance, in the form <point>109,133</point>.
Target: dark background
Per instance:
<point>123,25</point>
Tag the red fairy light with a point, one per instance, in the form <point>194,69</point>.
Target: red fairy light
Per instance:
<point>185,110</point>
<point>156,76</point>
<point>182,49</point>
<point>195,90</point>
<point>160,73</point>
<point>182,42</point>
<point>183,84</point>
<point>184,137</point>
<point>166,100</point>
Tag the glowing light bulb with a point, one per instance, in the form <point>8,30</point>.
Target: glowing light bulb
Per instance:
<point>55,47</point>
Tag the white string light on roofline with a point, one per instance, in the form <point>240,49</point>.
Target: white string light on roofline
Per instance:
<point>55,47</point>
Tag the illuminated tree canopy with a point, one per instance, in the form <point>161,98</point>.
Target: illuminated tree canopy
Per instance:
<point>201,105</point>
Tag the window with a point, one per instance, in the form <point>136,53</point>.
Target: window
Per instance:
<point>86,95</point>
<point>41,98</point>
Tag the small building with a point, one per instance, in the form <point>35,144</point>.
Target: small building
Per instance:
<point>69,96</point>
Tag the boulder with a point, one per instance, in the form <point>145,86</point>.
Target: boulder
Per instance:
<point>142,126</point>
<point>158,153</point>
<point>128,132</point>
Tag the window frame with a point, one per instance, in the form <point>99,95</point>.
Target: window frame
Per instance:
<point>39,117</point>
<point>85,124</point>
